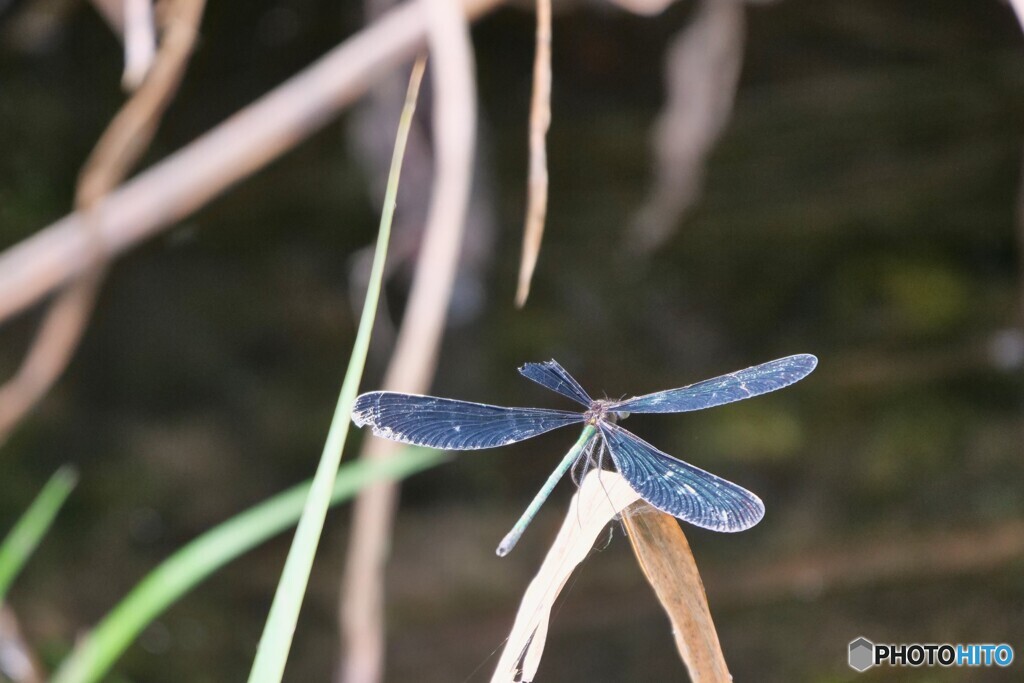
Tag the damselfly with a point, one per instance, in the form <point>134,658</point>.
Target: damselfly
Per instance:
<point>671,485</point>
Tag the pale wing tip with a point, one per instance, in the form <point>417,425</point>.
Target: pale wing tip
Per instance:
<point>362,412</point>
<point>722,521</point>
<point>809,360</point>
<point>749,521</point>
<point>729,524</point>
<point>798,366</point>
<point>524,368</point>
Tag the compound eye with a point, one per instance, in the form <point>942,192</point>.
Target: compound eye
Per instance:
<point>622,415</point>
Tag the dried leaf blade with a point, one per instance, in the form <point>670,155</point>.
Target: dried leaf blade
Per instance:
<point>602,497</point>
<point>666,560</point>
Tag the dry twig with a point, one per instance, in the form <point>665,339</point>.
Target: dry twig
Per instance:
<point>414,360</point>
<point>1018,7</point>
<point>120,147</point>
<point>703,67</point>
<point>644,7</point>
<point>139,42</point>
<point>17,661</point>
<point>112,12</point>
<point>240,146</point>
<point>537,185</point>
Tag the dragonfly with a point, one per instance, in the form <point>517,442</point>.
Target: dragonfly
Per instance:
<point>667,483</point>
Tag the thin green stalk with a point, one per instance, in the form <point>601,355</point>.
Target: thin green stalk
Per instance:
<point>190,565</point>
<point>33,525</point>
<point>272,653</point>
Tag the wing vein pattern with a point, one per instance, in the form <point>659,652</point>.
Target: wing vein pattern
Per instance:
<point>551,375</point>
<point>450,424</point>
<point>735,386</point>
<point>678,488</point>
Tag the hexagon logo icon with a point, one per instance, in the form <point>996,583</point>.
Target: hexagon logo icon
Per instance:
<point>862,654</point>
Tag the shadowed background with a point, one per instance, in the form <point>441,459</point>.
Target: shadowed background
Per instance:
<point>862,205</point>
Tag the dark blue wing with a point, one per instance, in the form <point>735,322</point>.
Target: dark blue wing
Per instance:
<point>678,488</point>
<point>453,425</point>
<point>553,376</point>
<point>735,386</point>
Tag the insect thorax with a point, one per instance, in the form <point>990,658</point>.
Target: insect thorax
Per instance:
<point>598,412</point>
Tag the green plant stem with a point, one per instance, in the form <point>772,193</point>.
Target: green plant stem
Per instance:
<point>95,654</point>
<point>29,530</point>
<point>275,643</point>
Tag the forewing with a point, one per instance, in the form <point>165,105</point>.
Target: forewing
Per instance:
<point>678,488</point>
<point>735,386</point>
<point>553,376</point>
<point>450,424</point>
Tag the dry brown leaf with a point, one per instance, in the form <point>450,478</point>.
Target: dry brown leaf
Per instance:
<point>667,562</point>
<point>601,497</point>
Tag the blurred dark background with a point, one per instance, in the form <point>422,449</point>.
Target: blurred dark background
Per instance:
<point>862,205</point>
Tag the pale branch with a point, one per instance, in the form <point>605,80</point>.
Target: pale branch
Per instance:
<point>191,177</point>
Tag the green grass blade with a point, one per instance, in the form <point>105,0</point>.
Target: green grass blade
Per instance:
<point>33,525</point>
<point>189,566</point>
<point>275,643</point>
